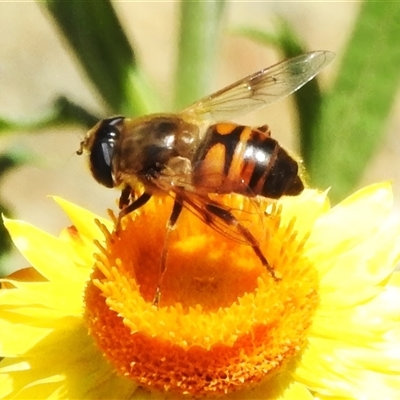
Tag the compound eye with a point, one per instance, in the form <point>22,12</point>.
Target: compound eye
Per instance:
<point>102,151</point>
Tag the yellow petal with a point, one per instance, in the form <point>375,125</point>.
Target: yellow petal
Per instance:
<point>306,208</point>
<point>330,368</point>
<point>297,391</point>
<point>355,273</point>
<point>64,300</point>
<point>20,338</point>
<point>83,219</point>
<point>6,386</point>
<point>351,221</point>
<point>49,255</point>
<point>66,363</point>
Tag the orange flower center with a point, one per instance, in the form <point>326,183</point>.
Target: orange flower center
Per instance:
<point>223,323</point>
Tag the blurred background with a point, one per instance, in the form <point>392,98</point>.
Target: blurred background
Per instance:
<point>38,65</point>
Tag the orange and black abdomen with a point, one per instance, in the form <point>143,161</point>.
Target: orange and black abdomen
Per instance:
<point>244,160</point>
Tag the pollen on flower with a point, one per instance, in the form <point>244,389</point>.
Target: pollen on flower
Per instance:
<point>223,323</point>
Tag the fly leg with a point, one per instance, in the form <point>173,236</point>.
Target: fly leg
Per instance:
<point>230,219</point>
<point>139,202</point>
<point>176,210</point>
<point>125,198</point>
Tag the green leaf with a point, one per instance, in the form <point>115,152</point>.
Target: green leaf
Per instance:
<point>12,159</point>
<point>200,23</point>
<point>63,111</point>
<point>5,240</point>
<point>67,111</point>
<point>6,125</point>
<point>96,36</point>
<point>354,114</point>
<point>8,161</point>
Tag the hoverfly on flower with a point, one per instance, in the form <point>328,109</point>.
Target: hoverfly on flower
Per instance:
<point>196,153</point>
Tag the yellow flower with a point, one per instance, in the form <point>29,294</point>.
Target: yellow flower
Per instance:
<point>330,328</point>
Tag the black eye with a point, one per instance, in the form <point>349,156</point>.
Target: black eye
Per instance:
<point>102,151</point>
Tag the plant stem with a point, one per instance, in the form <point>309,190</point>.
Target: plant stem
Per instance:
<point>199,36</point>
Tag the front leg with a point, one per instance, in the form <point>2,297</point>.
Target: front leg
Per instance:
<point>125,198</point>
<point>139,202</point>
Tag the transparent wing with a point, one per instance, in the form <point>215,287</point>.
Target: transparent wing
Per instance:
<point>212,211</point>
<point>220,220</point>
<point>263,87</point>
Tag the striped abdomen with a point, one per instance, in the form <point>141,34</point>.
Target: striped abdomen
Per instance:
<point>244,160</point>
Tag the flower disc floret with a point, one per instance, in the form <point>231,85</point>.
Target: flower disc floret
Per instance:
<point>223,322</point>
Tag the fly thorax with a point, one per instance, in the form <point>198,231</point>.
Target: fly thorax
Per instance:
<point>149,144</point>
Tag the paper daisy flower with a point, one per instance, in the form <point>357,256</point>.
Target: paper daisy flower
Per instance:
<point>81,324</point>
